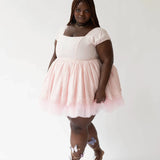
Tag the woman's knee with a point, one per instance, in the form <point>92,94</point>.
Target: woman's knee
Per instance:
<point>80,124</point>
<point>77,128</point>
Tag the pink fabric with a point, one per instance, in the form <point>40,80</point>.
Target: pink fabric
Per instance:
<point>71,82</point>
<point>70,85</point>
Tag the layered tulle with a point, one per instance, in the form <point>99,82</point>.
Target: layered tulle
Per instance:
<point>69,88</point>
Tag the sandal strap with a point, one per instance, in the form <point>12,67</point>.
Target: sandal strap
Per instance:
<point>75,149</point>
<point>77,157</point>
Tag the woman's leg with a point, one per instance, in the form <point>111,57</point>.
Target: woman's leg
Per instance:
<point>93,142</point>
<point>79,135</point>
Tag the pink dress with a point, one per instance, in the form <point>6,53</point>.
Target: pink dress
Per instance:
<point>70,84</point>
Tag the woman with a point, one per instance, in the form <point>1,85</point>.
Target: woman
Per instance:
<point>81,77</point>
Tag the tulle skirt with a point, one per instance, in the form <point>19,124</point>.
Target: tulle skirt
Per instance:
<point>69,88</point>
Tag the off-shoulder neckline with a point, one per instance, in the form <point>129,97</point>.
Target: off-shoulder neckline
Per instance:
<point>80,36</point>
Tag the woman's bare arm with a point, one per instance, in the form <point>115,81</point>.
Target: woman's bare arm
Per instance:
<point>105,53</point>
<point>54,54</point>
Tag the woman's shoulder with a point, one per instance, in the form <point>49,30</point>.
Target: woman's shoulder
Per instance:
<point>99,31</point>
<point>99,35</point>
<point>68,28</point>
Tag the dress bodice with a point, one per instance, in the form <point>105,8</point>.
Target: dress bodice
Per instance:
<point>81,47</point>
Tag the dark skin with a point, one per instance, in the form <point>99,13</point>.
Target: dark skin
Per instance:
<point>82,129</point>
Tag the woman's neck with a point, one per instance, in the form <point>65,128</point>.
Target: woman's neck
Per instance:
<point>82,25</point>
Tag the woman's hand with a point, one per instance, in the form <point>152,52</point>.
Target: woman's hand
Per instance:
<point>100,96</point>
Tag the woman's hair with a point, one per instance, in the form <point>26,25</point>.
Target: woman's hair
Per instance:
<point>93,20</point>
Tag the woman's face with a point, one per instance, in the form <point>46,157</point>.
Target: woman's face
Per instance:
<point>82,13</point>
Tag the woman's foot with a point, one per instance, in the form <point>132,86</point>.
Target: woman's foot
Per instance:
<point>98,154</point>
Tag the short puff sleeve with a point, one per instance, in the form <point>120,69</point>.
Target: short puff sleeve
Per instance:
<point>100,36</point>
